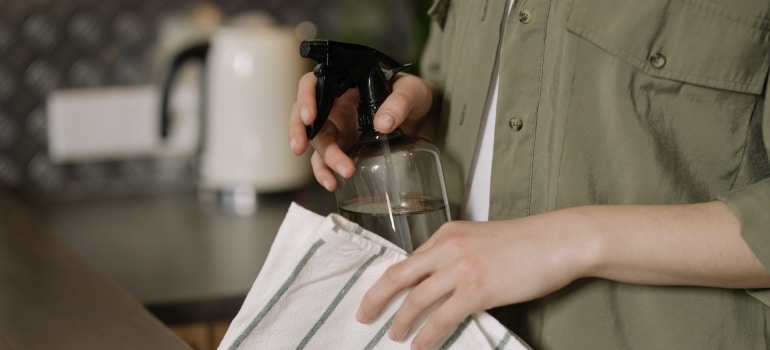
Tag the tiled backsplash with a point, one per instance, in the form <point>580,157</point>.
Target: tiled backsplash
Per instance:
<point>51,44</point>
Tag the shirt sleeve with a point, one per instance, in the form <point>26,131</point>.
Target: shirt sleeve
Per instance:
<point>751,206</point>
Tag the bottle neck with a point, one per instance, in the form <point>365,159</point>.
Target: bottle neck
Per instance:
<point>371,135</point>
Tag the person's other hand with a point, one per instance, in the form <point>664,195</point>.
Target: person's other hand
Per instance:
<point>407,104</point>
<point>468,267</point>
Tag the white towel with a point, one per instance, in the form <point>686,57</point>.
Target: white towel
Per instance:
<point>311,284</point>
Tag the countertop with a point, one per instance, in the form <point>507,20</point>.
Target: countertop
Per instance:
<point>185,259</point>
<point>51,298</point>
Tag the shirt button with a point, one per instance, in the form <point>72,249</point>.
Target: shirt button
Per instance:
<point>516,123</point>
<point>658,60</point>
<point>525,16</point>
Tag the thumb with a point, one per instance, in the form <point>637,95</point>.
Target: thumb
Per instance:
<point>392,113</point>
<point>410,100</point>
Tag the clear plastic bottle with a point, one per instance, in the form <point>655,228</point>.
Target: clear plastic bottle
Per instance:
<point>397,189</point>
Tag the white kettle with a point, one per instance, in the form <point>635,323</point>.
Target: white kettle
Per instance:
<point>251,71</point>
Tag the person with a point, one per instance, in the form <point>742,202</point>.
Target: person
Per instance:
<point>615,168</point>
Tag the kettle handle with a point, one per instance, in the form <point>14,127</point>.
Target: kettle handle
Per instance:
<point>197,52</point>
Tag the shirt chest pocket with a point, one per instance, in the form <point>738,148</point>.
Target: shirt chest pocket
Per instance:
<point>692,41</point>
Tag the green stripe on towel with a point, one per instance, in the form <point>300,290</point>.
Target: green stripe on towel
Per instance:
<point>504,341</point>
<point>341,295</point>
<point>456,335</point>
<point>380,334</point>
<point>278,295</point>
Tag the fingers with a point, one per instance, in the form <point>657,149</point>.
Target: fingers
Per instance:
<point>298,142</point>
<point>306,99</point>
<point>329,158</point>
<point>446,288</point>
<point>338,133</point>
<point>451,294</point>
<point>322,173</point>
<point>321,162</point>
<point>441,290</point>
<point>328,145</point>
<point>303,113</point>
<point>428,293</point>
<point>396,278</point>
<point>443,322</point>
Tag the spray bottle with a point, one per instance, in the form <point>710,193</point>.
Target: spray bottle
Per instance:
<point>397,189</point>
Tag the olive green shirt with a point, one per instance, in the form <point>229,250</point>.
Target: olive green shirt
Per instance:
<point>616,102</point>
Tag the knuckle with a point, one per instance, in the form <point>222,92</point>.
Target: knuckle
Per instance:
<point>399,105</point>
<point>453,245</point>
<point>457,226</point>
<point>451,228</point>
<point>416,301</point>
<point>394,274</point>
<point>439,324</point>
<point>468,265</point>
<point>399,100</point>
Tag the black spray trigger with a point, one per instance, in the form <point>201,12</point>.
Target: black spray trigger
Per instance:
<point>342,66</point>
<point>325,95</point>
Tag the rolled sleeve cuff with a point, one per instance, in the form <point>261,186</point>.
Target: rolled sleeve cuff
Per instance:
<point>751,206</point>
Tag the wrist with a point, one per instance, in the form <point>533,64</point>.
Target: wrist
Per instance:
<point>589,256</point>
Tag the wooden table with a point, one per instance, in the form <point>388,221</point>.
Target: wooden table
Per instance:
<point>52,299</point>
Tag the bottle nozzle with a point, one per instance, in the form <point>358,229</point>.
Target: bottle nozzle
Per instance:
<point>342,66</point>
<point>315,50</point>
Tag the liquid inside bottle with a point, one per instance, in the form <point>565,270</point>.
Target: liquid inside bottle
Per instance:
<point>420,215</point>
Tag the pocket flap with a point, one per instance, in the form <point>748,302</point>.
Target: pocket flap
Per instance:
<point>687,40</point>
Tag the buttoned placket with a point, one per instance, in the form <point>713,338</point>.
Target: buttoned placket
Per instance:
<point>519,95</point>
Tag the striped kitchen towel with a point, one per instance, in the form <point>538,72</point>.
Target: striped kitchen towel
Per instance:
<point>308,291</point>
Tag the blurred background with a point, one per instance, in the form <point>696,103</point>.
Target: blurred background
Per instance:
<point>80,97</point>
<point>48,46</point>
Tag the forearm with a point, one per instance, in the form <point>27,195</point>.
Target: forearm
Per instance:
<point>696,244</point>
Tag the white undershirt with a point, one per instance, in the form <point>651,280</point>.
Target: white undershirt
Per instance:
<point>476,206</point>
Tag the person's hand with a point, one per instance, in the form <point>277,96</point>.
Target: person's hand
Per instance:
<point>407,104</point>
<point>466,267</point>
